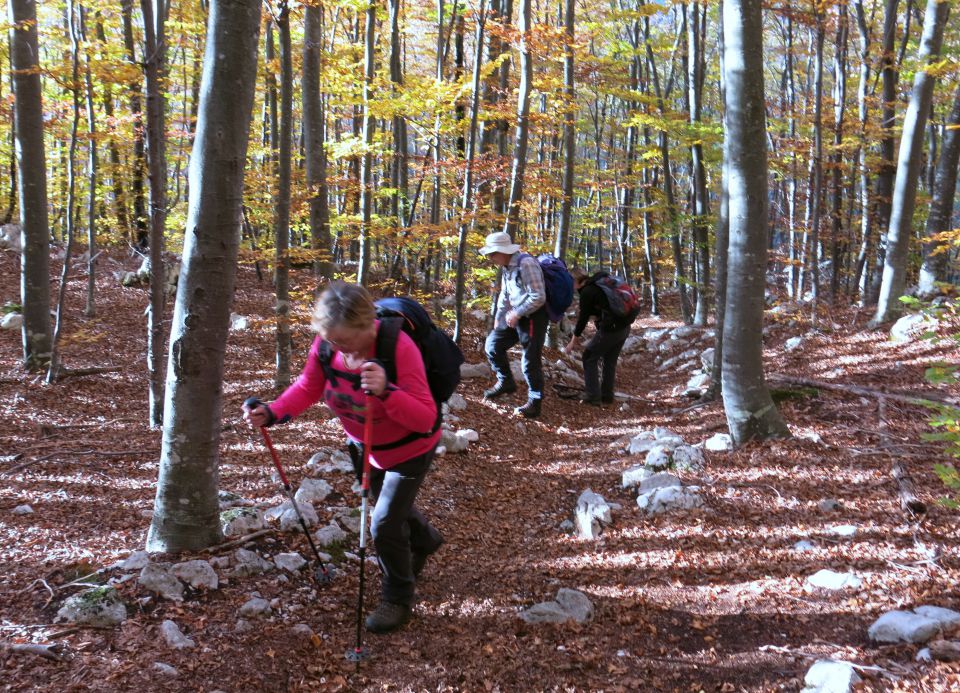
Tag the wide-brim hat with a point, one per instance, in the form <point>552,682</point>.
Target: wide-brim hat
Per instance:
<point>499,242</point>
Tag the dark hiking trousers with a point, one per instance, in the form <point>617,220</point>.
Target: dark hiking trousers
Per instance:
<point>603,346</point>
<point>530,333</point>
<point>397,527</point>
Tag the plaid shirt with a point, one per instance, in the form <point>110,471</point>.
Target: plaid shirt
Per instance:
<point>523,290</point>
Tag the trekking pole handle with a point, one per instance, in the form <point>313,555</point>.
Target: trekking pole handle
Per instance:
<point>253,403</point>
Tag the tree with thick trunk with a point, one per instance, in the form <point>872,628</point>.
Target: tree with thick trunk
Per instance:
<point>139,146</point>
<point>569,130</point>
<point>521,139</point>
<point>908,164</point>
<point>369,125</point>
<point>701,197</point>
<point>890,75</point>
<point>466,204</point>
<point>314,133</point>
<point>154,65</point>
<point>32,179</point>
<point>934,267</point>
<point>281,227</point>
<point>749,408</point>
<point>186,514</point>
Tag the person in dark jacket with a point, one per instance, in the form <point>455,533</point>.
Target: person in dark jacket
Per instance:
<point>604,346</point>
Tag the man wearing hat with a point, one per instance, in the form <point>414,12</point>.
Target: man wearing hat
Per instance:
<point>521,317</point>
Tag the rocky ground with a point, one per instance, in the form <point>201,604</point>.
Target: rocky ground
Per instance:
<point>719,594</point>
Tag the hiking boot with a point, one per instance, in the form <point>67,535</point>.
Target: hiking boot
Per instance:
<point>387,617</point>
<point>419,558</point>
<point>531,409</point>
<point>503,387</point>
<point>592,401</point>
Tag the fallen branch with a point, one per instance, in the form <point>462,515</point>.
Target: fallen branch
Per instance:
<point>236,542</point>
<point>78,372</point>
<point>54,651</point>
<point>897,396</point>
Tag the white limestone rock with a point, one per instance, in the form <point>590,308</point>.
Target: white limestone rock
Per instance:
<point>330,535</point>
<point>197,574</point>
<point>830,676</point>
<point>22,510</point>
<point>633,476</point>
<point>312,491</point>
<point>719,442</point>
<point>160,578</point>
<point>569,605</point>
<point>237,522</point>
<point>329,460</point>
<point>11,322</point>
<point>832,580</point>
<point>291,562</point>
<point>659,458</point>
<point>662,500</point>
<point>256,608</point>
<point>793,343</point>
<point>175,637</point>
<point>100,606</point>
<point>239,323</point>
<point>474,370</point>
<point>591,513</point>
<point>246,563</point>
<point>911,327</point>
<point>136,561</point>
<point>903,626</point>
<point>658,481</point>
<point>457,402</point>
<point>687,458</point>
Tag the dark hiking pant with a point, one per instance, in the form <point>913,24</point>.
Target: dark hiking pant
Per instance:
<point>397,527</point>
<point>530,333</point>
<point>603,347</point>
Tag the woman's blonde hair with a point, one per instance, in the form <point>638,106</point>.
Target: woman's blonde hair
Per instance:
<point>343,305</point>
<point>578,274</point>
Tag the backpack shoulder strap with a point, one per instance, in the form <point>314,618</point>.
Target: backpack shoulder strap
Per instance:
<point>386,349</point>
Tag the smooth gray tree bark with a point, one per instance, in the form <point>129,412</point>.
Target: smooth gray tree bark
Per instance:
<point>32,184</point>
<point>466,204</point>
<point>934,267</point>
<point>314,134</point>
<point>750,411</point>
<point>369,125</point>
<point>570,130</point>
<point>186,514</point>
<point>908,164</point>
<point>522,136</point>
<point>154,67</point>
<point>281,276</point>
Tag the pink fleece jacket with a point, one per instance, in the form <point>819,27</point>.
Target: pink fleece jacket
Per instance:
<point>397,413</point>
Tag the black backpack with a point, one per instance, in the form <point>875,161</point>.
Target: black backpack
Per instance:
<point>441,355</point>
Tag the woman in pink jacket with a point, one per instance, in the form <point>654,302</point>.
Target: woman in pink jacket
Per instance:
<point>405,436</point>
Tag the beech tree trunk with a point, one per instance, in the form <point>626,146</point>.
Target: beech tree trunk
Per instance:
<point>139,147</point>
<point>466,205</point>
<point>569,130</point>
<point>369,125</point>
<point>934,267</point>
<point>282,221</point>
<point>750,411</point>
<point>908,165</point>
<point>155,51</point>
<point>521,139</point>
<point>186,514</point>
<point>314,134</point>
<point>32,184</point>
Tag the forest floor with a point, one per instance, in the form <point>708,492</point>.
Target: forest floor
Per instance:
<point>711,599</point>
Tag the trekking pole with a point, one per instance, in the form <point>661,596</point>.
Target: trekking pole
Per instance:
<point>359,652</point>
<point>321,573</point>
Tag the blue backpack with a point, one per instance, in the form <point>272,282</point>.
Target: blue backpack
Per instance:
<point>559,285</point>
